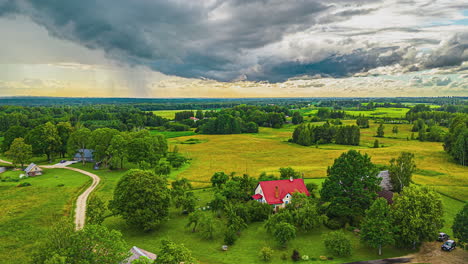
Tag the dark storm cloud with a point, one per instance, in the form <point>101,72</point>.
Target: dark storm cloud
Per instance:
<point>214,38</point>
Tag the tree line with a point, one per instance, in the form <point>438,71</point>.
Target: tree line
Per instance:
<point>307,134</point>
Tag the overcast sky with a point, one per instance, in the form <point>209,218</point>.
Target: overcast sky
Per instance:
<point>234,48</point>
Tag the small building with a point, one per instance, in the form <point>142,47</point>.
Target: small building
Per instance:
<point>194,119</point>
<point>387,195</point>
<point>279,193</point>
<point>84,154</point>
<point>33,170</point>
<point>137,253</point>
<point>386,184</point>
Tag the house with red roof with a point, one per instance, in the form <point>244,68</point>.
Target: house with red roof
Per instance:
<point>279,193</point>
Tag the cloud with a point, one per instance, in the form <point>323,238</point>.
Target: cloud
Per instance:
<point>270,40</point>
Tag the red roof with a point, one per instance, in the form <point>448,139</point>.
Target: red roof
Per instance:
<point>282,187</point>
<point>257,196</point>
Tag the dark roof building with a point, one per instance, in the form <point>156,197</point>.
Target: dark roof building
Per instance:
<point>33,170</point>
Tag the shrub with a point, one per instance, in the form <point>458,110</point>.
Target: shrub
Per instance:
<point>337,243</point>
<point>230,236</point>
<point>334,223</point>
<point>61,185</point>
<point>24,184</point>
<point>295,255</point>
<point>305,257</point>
<point>266,253</point>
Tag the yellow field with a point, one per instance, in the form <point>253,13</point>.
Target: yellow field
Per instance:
<point>269,150</point>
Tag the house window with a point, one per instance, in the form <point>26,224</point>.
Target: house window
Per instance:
<point>287,202</point>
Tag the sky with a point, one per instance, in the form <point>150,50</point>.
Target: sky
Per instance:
<point>234,48</point>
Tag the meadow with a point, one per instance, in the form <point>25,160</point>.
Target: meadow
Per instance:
<point>28,212</point>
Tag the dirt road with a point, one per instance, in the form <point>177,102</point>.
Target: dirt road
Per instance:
<point>80,210</point>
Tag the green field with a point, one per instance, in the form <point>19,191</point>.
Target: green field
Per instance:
<point>380,112</point>
<point>173,134</point>
<point>170,114</point>
<point>27,212</point>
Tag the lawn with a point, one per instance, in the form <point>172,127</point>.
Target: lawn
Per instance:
<point>28,212</point>
<point>391,112</point>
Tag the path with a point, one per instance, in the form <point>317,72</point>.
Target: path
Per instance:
<point>80,210</point>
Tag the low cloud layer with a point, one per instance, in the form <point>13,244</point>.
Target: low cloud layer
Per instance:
<point>272,40</point>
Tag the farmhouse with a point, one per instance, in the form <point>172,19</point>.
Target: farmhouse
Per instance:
<point>84,154</point>
<point>33,170</point>
<point>136,253</point>
<point>386,186</point>
<point>279,193</point>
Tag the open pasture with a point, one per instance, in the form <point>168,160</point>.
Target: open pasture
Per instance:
<point>28,212</point>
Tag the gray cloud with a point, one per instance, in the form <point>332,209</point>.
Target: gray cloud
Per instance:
<point>229,39</point>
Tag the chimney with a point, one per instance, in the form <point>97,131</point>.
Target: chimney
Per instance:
<point>291,179</point>
<point>276,192</point>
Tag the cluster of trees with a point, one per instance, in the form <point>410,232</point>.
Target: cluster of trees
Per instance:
<point>456,141</point>
<point>111,147</point>
<point>307,134</point>
<point>350,195</point>
<point>326,113</point>
<point>362,122</point>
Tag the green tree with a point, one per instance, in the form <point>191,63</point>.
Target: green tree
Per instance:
<point>163,168</point>
<point>64,130</point>
<point>337,243</point>
<point>351,186</point>
<point>284,232</point>
<point>266,253</point>
<point>11,134</point>
<point>142,199</point>
<point>297,118</point>
<point>79,141</point>
<point>19,152</point>
<point>460,225</point>
<point>377,228</point>
<point>208,226</point>
<point>417,214</point>
<point>376,143</point>
<point>94,244</point>
<point>143,260</point>
<point>95,210</point>
<point>172,253</point>
<point>100,142</point>
<point>401,170</point>
<point>44,139</point>
<point>395,130</point>
<point>380,131</point>
<point>194,219</point>
<point>287,173</point>
<point>219,178</point>
<point>118,150</point>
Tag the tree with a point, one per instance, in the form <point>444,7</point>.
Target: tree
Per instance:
<point>266,253</point>
<point>219,178</point>
<point>337,243</point>
<point>460,225</point>
<point>207,226</point>
<point>172,253</point>
<point>287,173</point>
<point>230,236</point>
<point>401,170</point>
<point>297,118</point>
<point>64,130</point>
<point>11,134</point>
<point>311,187</point>
<point>19,152</point>
<point>284,232</point>
<point>376,143</point>
<point>44,139</point>
<point>79,141</point>
<point>380,131</point>
<point>395,130</point>
<point>351,186</point>
<point>304,212</point>
<point>95,210</point>
<point>377,228</point>
<point>163,168</point>
<point>142,199</point>
<point>194,219</point>
<point>100,142</point>
<point>296,256</point>
<point>417,214</point>
<point>143,260</point>
<point>218,203</point>
<point>118,150</point>
<point>93,244</point>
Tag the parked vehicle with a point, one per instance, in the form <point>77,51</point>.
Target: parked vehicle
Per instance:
<point>449,245</point>
<point>442,237</point>
<point>63,161</point>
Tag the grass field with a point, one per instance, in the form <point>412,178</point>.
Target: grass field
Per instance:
<point>170,114</point>
<point>380,112</point>
<point>27,212</point>
<point>173,134</point>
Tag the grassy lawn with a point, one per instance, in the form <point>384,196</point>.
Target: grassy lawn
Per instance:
<point>380,112</point>
<point>28,212</point>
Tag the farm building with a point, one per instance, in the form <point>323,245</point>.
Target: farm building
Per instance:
<point>137,253</point>
<point>385,183</point>
<point>84,154</point>
<point>279,193</point>
<point>33,170</point>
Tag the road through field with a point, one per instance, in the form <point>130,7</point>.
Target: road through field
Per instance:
<point>80,210</point>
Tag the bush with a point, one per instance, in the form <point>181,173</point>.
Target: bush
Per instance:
<point>295,255</point>
<point>337,243</point>
<point>230,236</point>
<point>24,184</point>
<point>305,257</point>
<point>335,223</point>
<point>266,253</point>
